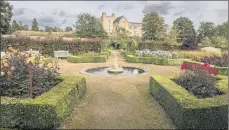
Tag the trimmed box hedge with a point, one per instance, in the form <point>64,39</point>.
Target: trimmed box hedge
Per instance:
<point>45,111</point>
<point>153,60</point>
<point>87,59</point>
<point>220,70</point>
<point>186,110</point>
<point>106,53</point>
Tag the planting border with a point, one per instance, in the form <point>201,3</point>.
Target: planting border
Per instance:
<point>187,111</point>
<point>45,111</point>
<point>220,70</point>
<point>153,60</point>
<point>87,59</point>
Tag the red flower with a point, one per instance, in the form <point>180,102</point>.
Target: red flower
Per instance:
<point>184,66</point>
<point>193,66</point>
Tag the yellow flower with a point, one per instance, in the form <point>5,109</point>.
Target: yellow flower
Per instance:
<point>49,65</point>
<point>32,59</point>
<point>10,49</point>
<point>12,68</point>
<point>2,73</point>
<point>40,65</point>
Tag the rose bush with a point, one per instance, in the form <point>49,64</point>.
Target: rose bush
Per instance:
<point>15,74</point>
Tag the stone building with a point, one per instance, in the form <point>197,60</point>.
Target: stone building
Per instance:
<point>110,24</point>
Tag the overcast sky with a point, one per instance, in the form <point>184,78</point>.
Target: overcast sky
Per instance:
<point>64,13</point>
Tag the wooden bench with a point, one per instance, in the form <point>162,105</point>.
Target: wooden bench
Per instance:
<point>33,53</point>
<point>61,54</point>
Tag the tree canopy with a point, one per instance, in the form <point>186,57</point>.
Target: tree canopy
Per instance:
<point>89,26</point>
<point>6,15</point>
<point>153,27</point>
<point>206,29</point>
<point>68,29</point>
<point>35,25</point>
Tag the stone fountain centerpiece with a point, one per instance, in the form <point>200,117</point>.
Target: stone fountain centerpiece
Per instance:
<point>115,68</point>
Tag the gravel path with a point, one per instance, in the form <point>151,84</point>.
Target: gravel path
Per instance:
<point>117,102</point>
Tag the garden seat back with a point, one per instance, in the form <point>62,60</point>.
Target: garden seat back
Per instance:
<point>61,54</point>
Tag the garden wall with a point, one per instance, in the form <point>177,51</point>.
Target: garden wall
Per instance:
<point>45,111</point>
<point>220,70</point>
<point>153,60</point>
<point>48,45</point>
<point>188,112</point>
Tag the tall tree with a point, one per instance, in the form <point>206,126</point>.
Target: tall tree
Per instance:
<point>6,14</point>
<point>88,25</point>
<point>68,29</point>
<point>153,27</point>
<point>187,33</point>
<point>206,29</point>
<point>35,25</point>
<point>222,30</point>
<point>15,26</point>
<point>20,25</point>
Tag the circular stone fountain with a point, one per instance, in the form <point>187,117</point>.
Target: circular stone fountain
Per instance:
<point>115,70</point>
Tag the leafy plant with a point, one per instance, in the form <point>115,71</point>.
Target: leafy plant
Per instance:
<point>198,83</point>
<point>15,74</point>
<point>221,61</point>
<point>157,54</point>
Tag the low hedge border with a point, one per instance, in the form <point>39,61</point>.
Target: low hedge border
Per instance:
<point>153,60</point>
<point>220,70</point>
<point>45,111</point>
<point>87,59</point>
<point>107,53</point>
<point>187,111</point>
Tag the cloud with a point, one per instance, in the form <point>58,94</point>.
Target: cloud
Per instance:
<point>64,21</point>
<point>101,6</point>
<point>124,6</point>
<point>19,11</point>
<point>162,8</point>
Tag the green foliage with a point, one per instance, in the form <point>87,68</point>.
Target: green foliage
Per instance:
<point>153,60</point>
<point>187,32</point>
<point>205,41</point>
<point>206,29</point>
<point>187,111</point>
<point>171,37</point>
<point>88,26</point>
<point>68,29</point>
<point>50,44</point>
<point>222,30</point>
<point>15,26</point>
<point>219,41</point>
<point>199,83</point>
<point>157,45</point>
<point>45,111</point>
<point>153,27</point>
<point>87,59</point>
<point>35,25</point>
<point>15,77</point>
<point>6,14</point>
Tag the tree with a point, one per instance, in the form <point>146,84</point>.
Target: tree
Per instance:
<point>206,29</point>
<point>222,30</point>
<point>35,25</point>
<point>153,27</point>
<point>48,29</point>
<point>172,36</point>
<point>121,33</point>
<point>25,27</point>
<point>187,33</point>
<point>68,29</point>
<point>6,14</point>
<point>15,26</point>
<point>20,25</point>
<point>88,25</point>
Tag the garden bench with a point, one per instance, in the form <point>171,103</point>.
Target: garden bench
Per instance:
<point>61,54</point>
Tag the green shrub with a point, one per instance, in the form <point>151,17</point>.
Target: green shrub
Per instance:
<point>186,110</point>
<point>87,59</point>
<point>48,45</point>
<point>157,45</point>
<point>45,111</point>
<point>153,60</point>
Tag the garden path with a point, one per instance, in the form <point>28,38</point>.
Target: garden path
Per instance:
<point>117,102</point>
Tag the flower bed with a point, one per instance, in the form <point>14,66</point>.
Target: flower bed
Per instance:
<point>153,60</point>
<point>221,61</point>
<point>186,110</point>
<point>157,54</point>
<point>45,111</point>
<point>194,64</point>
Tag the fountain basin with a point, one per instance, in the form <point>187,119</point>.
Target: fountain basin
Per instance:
<point>115,70</point>
<point>127,71</point>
